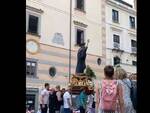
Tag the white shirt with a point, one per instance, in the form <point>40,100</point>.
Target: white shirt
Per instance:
<point>66,96</point>
<point>58,94</point>
<point>90,101</point>
<point>45,95</point>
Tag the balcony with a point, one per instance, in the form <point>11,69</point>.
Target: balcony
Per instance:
<point>117,47</point>
<point>124,3</point>
<point>133,50</point>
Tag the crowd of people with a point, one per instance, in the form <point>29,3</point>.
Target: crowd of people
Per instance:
<point>60,101</point>
<point>116,93</point>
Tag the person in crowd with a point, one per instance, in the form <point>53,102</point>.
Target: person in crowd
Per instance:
<point>67,101</point>
<point>44,97</point>
<point>52,101</point>
<point>28,110</point>
<point>121,76</point>
<point>90,102</point>
<point>94,102</point>
<point>132,77</point>
<point>133,90</point>
<point>83,100</point>
<point>109,92</point>
<point>39,110</point>
<point>59,99</point>
<point>62,102</point>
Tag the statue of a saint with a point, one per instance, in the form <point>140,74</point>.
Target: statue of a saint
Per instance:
<point>81,57</point>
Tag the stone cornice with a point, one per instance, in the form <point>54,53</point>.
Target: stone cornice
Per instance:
<point>132,34</point>
<point>122,7</point>
<point>80,24</point>
<point>116,29</point>
<point>34,9</point>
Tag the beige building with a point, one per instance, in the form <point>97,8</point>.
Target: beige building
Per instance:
<point>48,37</point>
<point>121,35</point>
<point>135,4</point>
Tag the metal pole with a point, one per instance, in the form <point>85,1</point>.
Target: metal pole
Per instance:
<point>70,40</point>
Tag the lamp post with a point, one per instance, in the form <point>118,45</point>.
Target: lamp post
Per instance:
<point>70,40</point>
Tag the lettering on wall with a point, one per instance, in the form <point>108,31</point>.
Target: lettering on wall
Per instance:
<point>58,39</point>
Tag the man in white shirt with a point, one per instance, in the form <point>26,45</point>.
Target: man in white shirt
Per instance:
<point>67,101</point>
<point>44,98</point>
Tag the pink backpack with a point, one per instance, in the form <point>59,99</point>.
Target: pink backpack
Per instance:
<point>108,95</point>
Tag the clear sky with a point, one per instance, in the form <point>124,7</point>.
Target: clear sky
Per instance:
<point>129,1</point>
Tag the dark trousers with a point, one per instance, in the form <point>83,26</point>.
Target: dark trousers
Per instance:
<point>67,110</point>
<point>82,110</point>
<point>43,110</point>
<point>51,110</point>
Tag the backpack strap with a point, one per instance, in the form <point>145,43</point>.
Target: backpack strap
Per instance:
<point>100,88</point>
<point>117,87</point>
<point>117,83</point>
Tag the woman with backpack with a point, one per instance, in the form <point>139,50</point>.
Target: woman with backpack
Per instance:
<point>110,91</point>
<point>121,75</point>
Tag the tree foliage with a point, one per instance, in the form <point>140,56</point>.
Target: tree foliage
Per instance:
<point>89,72</point>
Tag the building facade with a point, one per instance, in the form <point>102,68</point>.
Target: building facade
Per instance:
<point>121,35</point>
<point>48,41</point>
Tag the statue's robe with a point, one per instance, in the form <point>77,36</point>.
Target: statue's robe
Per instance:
<point>81,57</point>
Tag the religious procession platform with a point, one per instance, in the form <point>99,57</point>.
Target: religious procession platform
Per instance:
<point>78,82</point>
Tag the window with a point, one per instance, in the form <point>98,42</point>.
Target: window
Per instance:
<point>133,45</point>
<point>116,40</point>
<point>31,68</point>
<point>80,4</point>
<point>134,63</point>
<point>132,22</point>
<point>115,16</point>
<point>52,71</point>
<point>33,24</point>
<point>116,60</point>
<point>99,61</point>
<point>79,37</point>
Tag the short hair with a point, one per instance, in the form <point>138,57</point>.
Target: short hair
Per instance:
<point>133,76</point>
<point>58,87</point>
<point>120,73</point>
<point>46,84</point>
<point>63,89</point>
<point>109,71</point>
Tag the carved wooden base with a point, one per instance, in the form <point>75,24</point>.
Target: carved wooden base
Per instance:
<point>80,81</point>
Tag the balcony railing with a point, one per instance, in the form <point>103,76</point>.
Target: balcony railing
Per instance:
<point>116,45</point>
<point>134,49</point>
